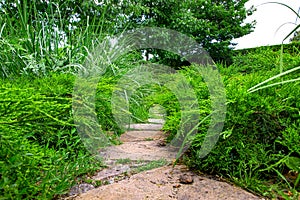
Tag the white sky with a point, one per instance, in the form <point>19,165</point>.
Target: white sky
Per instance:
<point>269,17</point>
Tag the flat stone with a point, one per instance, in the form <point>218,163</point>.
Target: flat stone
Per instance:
<point>159,184</point>
<point>133,136</point>
<point>81,188</point>
<point>145,127</point>
<point>143,150</point>
<point>111,172</point>
<point>156,121</point>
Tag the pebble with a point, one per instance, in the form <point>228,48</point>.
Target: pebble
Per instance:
<point>81,188</point>
<point>186,179</point>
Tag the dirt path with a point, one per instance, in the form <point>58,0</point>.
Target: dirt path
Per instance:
<point>141,168</point>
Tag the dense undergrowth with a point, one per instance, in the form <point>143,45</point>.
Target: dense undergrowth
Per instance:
<point>42,155</point>
<point>259,146</point>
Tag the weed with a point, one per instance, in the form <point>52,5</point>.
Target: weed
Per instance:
<point>150,165</point>
<point>123,161</point>
<point>148,139</point>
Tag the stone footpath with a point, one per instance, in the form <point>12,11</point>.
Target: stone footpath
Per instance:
<point>130,176</point>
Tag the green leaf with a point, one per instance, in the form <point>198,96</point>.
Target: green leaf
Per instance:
<point>293,163</point>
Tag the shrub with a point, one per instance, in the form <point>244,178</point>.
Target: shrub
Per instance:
<point>40,152</point>
<point>260,129</point>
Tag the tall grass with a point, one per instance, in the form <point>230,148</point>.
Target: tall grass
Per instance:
<point>281,65</point>
<point>36,43</point>
<point>41,154</point>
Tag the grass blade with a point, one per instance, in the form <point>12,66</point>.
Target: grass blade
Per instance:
<point>272,78</point>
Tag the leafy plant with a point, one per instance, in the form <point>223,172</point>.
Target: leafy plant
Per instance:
<point>40,37</point>
<point>41,154</point>
<point>260,128</point>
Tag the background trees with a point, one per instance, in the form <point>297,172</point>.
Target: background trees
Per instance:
<point>212,23</point>
<point>57,33</point>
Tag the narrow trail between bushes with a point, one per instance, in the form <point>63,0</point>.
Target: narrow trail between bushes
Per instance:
<point>141,168</point>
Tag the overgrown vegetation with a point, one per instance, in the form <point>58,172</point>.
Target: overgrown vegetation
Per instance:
<point>260,138</point>
<point>41,153</point>
<point>45,43</point>
<point>259,146</point>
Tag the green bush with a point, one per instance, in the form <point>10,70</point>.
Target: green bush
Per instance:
<point>41,153</point>
<point>259,145</point>
<point>262,59</point>
<point>260,130</point>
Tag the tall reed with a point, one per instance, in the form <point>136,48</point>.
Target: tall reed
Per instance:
<point>281,65</point>
<point>35,43</point>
